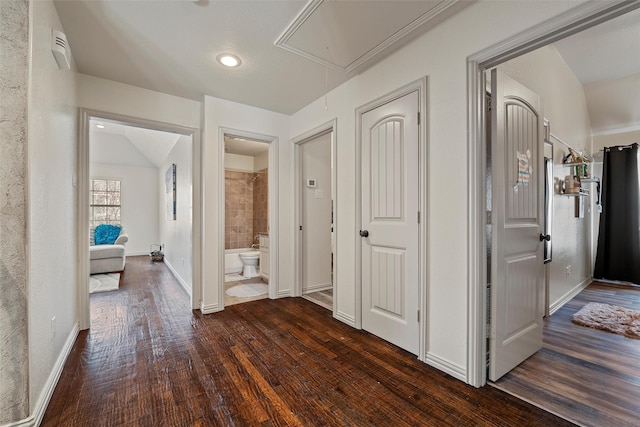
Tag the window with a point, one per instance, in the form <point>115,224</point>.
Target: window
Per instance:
<point>104,199</point>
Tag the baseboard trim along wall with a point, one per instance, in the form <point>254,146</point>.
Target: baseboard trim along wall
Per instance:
<point>452,369</point>
<point>345,318</point>
<point>178,278</point>
<point>45,396</point>
<point>210,308</point>
<point>569,295</point>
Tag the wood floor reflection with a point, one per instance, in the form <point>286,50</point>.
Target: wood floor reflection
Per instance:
<point>148,360</point>
<point>589,376</point>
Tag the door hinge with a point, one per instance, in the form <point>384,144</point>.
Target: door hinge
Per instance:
<point>418,315</point>
<point>418,217</point>
<point>418,117</point>
<point>488,331</point>
<point>488,217</point>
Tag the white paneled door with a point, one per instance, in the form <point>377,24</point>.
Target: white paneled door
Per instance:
<point>390,233</point>
<point>518,210</point>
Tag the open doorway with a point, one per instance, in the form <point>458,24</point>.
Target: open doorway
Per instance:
<point>569,273</point>
<point>315,204</point>
<point>251,159</point>
<point>246,240</point>
<point>138,178</point>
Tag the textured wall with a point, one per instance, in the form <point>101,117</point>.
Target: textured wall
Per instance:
<point>14,47</point>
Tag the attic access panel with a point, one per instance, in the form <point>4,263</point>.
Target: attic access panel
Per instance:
<point>344,35</point>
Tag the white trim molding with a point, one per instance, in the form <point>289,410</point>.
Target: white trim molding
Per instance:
<point>83,201</point>
<point>444,365</point>
<point>327,127</point>
<point>180,280</point>
<point>45,396</point>
<point>577,19</point>
<point>273,191</point>
<point>569,295</point>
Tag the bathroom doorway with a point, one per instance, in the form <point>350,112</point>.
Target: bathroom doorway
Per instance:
<point>246,231</point>
<point>315,205</point>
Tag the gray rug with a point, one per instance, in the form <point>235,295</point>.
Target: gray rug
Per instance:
<point>610,318</point>
<point>104,282</point>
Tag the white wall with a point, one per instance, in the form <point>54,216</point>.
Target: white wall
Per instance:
<point>52,157</point>
<point>176,235</point>
<point>139,198</point>
<point>239,162</point>
<point>261,161</point>
<point>441,54</point>
<point>564,104</point>
<point>315,159</point>
<point>219,114</point>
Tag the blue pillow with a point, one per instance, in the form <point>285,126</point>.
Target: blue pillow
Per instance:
<point>106,234</point>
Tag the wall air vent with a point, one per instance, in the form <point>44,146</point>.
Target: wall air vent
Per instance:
<point>60,49</point>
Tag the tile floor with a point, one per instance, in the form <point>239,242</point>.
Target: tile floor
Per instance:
<point>237,279</point>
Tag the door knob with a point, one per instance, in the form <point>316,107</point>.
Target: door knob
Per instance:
<point>364,233</point>
<point>546,237</point>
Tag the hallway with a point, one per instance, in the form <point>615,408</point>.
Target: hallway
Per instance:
<point>149,361</point>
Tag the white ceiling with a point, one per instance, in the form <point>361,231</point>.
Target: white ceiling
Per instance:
<point>170,46</point>
<point>606,60</point>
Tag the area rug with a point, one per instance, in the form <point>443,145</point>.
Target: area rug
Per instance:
<point>247,290</point>
<point>610,318</point>
<point>103,282</point>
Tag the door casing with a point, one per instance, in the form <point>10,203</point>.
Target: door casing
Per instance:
<point>330,126</point>
<point>573,21</point>
<point>421,86</point>
<point>83,202</point>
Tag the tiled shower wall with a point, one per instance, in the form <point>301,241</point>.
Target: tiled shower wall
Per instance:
<point>246,207</point>
<point>261,202</point>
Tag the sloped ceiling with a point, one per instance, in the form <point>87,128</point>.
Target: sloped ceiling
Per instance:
<point>606,60</point>
<point>128,145</point>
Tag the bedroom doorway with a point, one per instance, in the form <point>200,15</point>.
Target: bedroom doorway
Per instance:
<point>123,165</point>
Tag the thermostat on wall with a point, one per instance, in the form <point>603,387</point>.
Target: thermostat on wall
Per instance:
<point>311,183</point>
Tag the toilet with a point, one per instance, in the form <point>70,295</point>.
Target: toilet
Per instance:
<point>250,261</point>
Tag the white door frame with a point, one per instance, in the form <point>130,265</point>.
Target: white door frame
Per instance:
<point>272,208</point>
<point>331,126</point>
<point>83,202</point>
<point>423,235</point>
<point>575,20</point>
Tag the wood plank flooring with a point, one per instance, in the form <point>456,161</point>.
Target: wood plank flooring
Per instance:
<point>586,375</point>
<point>148,360</point>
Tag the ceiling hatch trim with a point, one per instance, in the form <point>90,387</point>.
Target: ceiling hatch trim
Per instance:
<point>298,25</point>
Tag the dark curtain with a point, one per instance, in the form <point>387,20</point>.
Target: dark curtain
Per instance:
<point>618,256</point>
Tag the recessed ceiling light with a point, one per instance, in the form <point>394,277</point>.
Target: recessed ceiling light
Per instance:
<point>228,60</point>
<point>100,126</point>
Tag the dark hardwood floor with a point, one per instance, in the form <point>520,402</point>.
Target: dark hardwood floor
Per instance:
<point>148,360</point>
<point>585,375</point>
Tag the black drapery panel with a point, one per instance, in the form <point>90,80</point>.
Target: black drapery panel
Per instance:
<point>618,256</point>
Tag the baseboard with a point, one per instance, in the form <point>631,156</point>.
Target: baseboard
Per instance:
<point>137,254</point>
<point>45,396</point>
<point>317,288</point>
<point>284,293</point>
<point>569,295</point>
<point>346,318</point>
<point>26,422</point>
<point>178,278</point>
<point>456,371</point>
<point>210,308</point>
